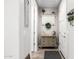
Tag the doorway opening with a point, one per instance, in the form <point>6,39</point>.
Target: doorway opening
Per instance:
<point>46,26</point>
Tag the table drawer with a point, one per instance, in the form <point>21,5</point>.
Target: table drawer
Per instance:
<point>48,42</point>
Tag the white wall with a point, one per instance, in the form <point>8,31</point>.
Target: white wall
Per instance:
<point>47,18</point>
<point>25,32</point>
<point>39,22</point>
<point>17,37</point>
<point>70,6</point>
<point>70,41</point>
<point>63,39</point>
<point>11,25</point>
<point>66,45</point>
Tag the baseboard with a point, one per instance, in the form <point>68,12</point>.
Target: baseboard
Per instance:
<point>28,56</point>
<point>62,54</point>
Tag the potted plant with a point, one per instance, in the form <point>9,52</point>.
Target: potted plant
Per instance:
<point>71,17</point>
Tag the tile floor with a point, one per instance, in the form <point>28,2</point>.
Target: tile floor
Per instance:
<point>40,53</point>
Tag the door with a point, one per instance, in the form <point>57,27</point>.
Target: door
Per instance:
<point>34,27</point>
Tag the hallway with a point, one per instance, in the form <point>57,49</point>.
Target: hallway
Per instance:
<point>37,27</point>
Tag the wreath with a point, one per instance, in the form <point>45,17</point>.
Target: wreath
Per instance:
<point>48,25</point>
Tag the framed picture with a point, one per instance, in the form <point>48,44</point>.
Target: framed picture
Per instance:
<point>26,13</point>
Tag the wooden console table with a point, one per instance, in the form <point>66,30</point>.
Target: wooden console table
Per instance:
<point>48,41</point>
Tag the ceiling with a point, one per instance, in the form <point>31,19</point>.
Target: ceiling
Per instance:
<point>48,3</point>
